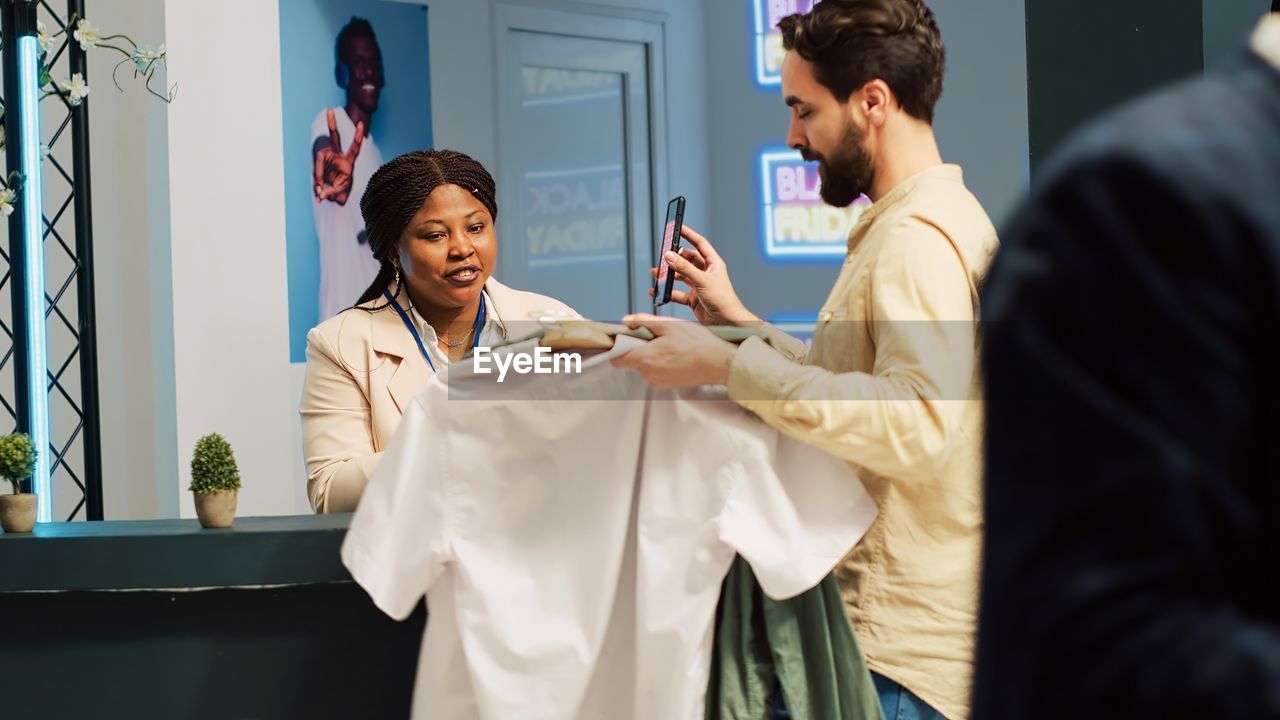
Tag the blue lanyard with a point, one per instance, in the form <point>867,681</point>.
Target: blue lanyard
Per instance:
<point>404,317</point>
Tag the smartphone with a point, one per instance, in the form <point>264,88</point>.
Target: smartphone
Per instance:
<point>666,280</point>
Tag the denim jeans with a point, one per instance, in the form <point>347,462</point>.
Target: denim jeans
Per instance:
<point>780,711</point>
<point>900,703</point>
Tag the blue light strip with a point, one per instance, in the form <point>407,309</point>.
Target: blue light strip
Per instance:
<point>33,248</point>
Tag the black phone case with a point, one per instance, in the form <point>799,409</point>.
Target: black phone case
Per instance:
<point>664,297</point>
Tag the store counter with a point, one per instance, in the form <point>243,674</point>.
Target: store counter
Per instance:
<point>164,619</point>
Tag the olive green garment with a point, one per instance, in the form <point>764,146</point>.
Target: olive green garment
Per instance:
<point>806,644</point>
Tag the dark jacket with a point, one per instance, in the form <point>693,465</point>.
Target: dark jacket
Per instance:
<point>1132,555</point>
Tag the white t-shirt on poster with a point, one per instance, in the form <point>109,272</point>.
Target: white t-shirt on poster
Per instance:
<point>571,533</point>
<point>347,265</point>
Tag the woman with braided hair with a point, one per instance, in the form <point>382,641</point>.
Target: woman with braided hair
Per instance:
<point>430,218</point>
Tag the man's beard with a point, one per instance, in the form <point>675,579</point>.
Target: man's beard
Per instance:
<point>848,172</point>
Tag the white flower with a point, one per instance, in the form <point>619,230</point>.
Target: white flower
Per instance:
<point>75,89</point>
<point>145,58</point>
<point>42,33</point>
<point>6,202</point>
<point>1,131</point>
<point>86,34</point>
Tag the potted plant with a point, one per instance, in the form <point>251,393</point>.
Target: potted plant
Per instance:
<point>17,462</point>
<point>214,481</point>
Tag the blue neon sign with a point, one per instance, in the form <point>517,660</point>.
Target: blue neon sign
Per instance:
<point>769,50</point>
<point>797,224</point>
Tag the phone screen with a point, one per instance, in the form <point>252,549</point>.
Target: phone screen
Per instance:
<point>665,280</point>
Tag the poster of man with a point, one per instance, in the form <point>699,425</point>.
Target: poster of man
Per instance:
<point>356,73</point>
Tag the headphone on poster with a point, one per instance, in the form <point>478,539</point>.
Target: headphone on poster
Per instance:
<point>342,73</point>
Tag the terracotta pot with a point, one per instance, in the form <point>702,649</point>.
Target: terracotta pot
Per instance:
<point>18,512</point>
<point>216,509</point>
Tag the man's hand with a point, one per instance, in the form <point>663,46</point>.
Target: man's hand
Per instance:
<point>334,169</point>
<point>681,354</point>
<point>710,294</point>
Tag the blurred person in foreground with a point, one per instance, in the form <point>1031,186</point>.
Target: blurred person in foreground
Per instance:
<point>1133,489</point>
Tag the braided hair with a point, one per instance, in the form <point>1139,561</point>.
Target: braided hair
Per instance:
<point>397,191</point>
<point>852,42</point>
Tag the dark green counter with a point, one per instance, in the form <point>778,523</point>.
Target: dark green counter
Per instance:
<point>162,619</point>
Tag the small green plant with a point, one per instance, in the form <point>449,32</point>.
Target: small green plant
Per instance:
<point>213,466</point>
<point>17,458</point>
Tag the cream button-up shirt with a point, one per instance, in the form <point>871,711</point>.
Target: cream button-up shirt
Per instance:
<point>891,386</point>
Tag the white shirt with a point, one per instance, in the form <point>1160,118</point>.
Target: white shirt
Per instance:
<point>571,533</point>
<point>347,265</point>
<point>492,334</point>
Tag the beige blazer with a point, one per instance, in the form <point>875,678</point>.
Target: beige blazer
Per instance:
<point>363,370</point>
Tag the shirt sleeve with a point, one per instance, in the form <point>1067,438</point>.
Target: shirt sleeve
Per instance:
<point>794,514</point>
<point>336,431</point>
<point>398,542</point>
<point>789,347</point>
<point>903,418</point>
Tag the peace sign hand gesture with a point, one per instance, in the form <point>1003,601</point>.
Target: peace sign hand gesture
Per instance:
<point>334,169</point>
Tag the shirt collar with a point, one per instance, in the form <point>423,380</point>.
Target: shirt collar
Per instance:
<point>1266,39</point>
<point>908,186</point>
<point>428,333</point>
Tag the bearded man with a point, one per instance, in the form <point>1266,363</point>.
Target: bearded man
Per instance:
<point>891,382</point>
